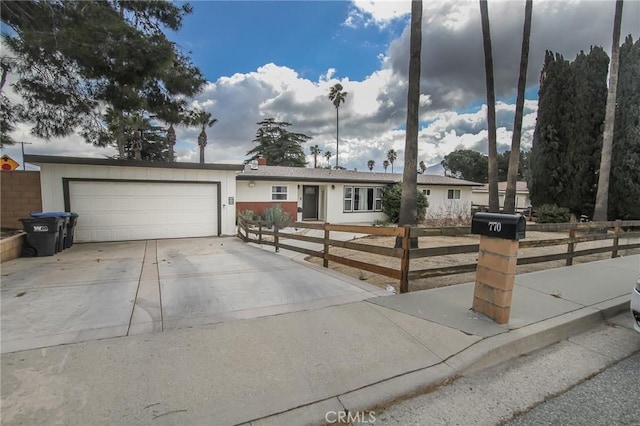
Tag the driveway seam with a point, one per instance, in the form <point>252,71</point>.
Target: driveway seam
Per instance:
<point>159,288</point>
<point>135,299</point>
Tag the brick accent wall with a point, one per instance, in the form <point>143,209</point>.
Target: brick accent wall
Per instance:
<point>20,194</point>
<point>258,207</point>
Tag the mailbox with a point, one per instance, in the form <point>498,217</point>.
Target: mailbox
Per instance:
<point>505,226</point>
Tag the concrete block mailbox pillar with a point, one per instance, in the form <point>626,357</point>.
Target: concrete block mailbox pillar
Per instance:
<point>497,259</point>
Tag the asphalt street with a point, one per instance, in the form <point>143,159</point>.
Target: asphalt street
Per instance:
<point>609,398</point>
<point>496,395</point>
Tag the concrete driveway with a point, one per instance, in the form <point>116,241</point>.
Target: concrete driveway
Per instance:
<point>102,290</point>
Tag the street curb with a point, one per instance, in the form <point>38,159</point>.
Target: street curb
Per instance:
<point>484,354</point>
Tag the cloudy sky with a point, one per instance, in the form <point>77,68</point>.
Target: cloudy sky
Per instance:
<point>278,59</point>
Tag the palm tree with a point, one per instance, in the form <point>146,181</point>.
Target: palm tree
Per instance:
<point>337,96</point>
<point>172,116</point>
<point>116,123</point>
<point>494,204</point>
<point>171,141</point>
<point>392,155</point>
<point>385,164</point>
<point>514,157</point>
<point>423,167</point>
<point>128,130</point>
<point>136,123</point>
<point>328,155</point>
<point>370,165</point>
<point>602,196</point>
<point>202,119</point>
<point>315,151</point>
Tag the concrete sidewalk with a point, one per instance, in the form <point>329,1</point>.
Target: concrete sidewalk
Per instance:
<point>295,367</point>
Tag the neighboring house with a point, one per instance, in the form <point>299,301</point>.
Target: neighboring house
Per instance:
<point>480,195</point>
<point>340,196</point>
<point>120,200</point>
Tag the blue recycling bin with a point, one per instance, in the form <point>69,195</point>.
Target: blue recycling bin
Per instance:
<point>63,218</point>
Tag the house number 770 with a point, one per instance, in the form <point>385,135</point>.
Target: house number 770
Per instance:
<point>495,226</point>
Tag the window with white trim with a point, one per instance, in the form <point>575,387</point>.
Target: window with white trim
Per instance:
<point>278,192</point>
<point>362,199</point>
<point>426,192</point>
<point>453,194</point>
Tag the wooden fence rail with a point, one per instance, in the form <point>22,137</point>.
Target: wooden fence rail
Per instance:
<point>259,232</point>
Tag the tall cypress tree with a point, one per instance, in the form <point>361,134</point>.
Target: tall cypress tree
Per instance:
<point>584,129</point>
<point>546,182</point>
<point>568,135</point>
<point>624,189</point>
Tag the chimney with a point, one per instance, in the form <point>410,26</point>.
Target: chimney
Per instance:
<point>262,161</point>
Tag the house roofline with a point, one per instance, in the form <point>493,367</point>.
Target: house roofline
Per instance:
<point>242,176</point>
<point>249,177</point>
<point>52,159</point>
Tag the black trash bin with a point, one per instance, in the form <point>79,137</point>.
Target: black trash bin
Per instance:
<point>64,220</point>
<point>71,226</point>
<point>42,234</point>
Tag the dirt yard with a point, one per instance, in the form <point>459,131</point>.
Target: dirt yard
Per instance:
<point>458,259</point>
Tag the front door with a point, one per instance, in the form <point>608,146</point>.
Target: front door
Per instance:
<point>310,202</point>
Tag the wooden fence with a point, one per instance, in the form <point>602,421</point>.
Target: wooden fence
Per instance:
<point>258,232</point>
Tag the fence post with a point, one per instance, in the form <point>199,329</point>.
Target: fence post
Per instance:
<point>325,253</point>
<point>571,246</point>
<point>404,266</point>
<point>260,232</point>
<point>242,225</point>
<point>616,239</point>
<point>276,238</point>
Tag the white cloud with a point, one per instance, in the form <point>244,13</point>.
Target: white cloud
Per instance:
<point>450,131</point>
<point>70,146</point>
<point>380,13</point>
<point>374,113</point>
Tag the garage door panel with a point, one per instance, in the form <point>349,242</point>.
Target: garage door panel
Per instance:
<point>119,211</point>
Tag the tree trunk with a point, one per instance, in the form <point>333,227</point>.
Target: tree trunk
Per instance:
<point>3,79</point>
<point>337,138</point>
<point>201,154</point>
<point>171,141</point>
<point>602,196</point>
<point>514,159</point>
<point>494,204</point>
<point>409,200</point>
<point>120,138</point>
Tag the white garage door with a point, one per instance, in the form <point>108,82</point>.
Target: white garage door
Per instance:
<point>121,211</point>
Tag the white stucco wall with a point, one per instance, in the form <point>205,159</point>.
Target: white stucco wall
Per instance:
<point>330,199</point>
<point>261,190</point>
<point>336,213</point>
<point>440,206</point>
<point>53,195</point>
<point>482,198</point>
<point>332,210</point>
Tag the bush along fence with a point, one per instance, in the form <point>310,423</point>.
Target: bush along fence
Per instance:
<point>257,231</point>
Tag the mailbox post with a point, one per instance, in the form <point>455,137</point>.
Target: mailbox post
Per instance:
<point>497,259</point>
